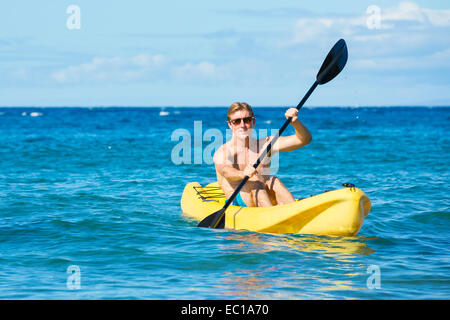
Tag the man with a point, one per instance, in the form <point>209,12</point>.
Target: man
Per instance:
<point>235,159</point>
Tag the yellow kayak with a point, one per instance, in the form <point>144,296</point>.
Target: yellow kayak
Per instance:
<point>339,212</point>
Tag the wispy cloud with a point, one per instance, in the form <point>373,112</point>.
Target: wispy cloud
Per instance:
<point>410,11</point>
<point>407,16</point>
<point>159,68</point>
<point>139,67</point>
<point>115,69</point>
<point>407,37</point>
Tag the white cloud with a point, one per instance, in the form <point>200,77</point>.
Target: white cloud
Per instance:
<point>405,11</point>
<point>440,18</point>
<point>407,37</point>
<point>410,11</point>
<point>391,19</point>
<point>143,66</point>
<point>117,69</point>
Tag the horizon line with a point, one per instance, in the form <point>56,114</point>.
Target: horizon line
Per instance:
<point>224,106</point>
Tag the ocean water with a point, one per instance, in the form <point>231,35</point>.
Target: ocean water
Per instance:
<point>90,206</point>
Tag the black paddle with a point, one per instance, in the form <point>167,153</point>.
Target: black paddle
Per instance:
<point>331,67</point>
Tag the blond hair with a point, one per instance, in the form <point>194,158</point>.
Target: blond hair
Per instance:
<point>237,106</point>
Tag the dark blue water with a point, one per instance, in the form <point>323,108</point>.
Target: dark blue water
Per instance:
<point>90,208</point>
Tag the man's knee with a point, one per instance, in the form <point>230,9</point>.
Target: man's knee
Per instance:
<point>253,194</point>
<point>272,182</point>
<point>252,185</point>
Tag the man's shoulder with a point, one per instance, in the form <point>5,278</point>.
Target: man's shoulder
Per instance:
<point>221,149</point>
<point>219,152</point>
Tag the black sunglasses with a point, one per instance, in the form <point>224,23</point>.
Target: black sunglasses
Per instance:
<point>247,120</point>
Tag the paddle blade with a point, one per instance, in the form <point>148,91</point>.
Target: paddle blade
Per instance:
<point>215,220</point>
<point>334,62</point>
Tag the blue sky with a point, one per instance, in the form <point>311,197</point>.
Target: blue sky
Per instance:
<point>207,53</point>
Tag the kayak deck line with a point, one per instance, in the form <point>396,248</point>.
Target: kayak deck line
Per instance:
<point>337,212</point>
<point>210,196</point>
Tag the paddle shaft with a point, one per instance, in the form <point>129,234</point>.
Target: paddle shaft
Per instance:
<point>261,158</point>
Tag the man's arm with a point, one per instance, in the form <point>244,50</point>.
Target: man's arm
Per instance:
<point>225,167</point>
<point>301,137</point>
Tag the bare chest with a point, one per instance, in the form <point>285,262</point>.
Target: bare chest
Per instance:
<point>240,158</point>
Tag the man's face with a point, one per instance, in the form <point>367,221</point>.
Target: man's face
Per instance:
<point>241,123</point>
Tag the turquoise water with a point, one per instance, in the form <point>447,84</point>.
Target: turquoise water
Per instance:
<point>98,191</point>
